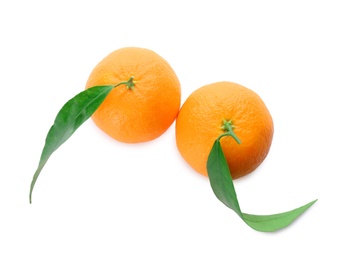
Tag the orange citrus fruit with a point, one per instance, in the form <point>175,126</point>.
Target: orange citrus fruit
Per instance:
<point>200,122</point>
<point>145,109</point>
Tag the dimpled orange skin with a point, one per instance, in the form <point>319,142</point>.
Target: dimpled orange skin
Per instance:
<point>200,120</point>
<point>145,112</point>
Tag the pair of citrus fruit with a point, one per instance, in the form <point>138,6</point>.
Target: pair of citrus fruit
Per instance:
<point>148,101</point>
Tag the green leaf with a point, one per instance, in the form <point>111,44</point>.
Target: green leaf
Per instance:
<point>222,185</point>
<point>71,116</point>
<point>269,223</point>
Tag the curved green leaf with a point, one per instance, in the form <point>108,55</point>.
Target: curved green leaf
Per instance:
<point>268,223</point>
<point>222,185</point>
<point>71,116</point>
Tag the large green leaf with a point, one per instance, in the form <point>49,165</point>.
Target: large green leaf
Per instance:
<point>222,185</point>
<point>71,116</point>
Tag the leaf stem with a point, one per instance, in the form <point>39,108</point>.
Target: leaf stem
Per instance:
<point>130,84</point>
<point>228,128</point>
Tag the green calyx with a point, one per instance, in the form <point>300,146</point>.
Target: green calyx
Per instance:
<point>130,84</point>
<point>228,127</point>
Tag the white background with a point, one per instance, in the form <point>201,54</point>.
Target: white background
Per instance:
<point>101,199</point>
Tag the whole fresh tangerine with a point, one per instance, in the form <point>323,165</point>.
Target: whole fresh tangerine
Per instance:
<point>147,99</point>
<point>202,120</point>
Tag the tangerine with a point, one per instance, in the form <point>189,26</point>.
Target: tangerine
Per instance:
<point>202,120</point>
<point>148,105</point>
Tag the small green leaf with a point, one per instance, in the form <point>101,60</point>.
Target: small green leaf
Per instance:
<point>222,185</point>
<point>71,116</point>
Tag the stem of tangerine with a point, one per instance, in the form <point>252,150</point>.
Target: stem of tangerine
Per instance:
<point>130,84</point>
<point>228,128</point>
